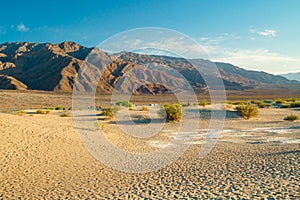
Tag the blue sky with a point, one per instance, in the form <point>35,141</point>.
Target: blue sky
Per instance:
<point>257,34</point>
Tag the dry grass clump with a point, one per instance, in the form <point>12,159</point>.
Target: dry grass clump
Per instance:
<point>42,111</point>
<point>124,103</point>
<point>145,108</point>
<point>20,112</point>
<point>65,115</point>
<point>108,112</point>
<point>172,112</point>
<point>247,111</point>
<point>291,117</point>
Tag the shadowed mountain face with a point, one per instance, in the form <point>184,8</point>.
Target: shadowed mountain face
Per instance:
<point>55,67</point>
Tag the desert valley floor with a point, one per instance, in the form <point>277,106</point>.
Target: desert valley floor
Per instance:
<point>42,157</point>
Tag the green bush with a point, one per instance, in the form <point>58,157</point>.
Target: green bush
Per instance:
<point>65,115</point>
<point>124,103</point>
<point>42,111</point>
<point>108,112</point>
<point>291,117</point>
<point>247,111</point>
<point>59,108</point>
<point>173,112</point>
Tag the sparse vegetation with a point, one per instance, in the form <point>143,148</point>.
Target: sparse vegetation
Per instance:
<point>101,125</point>
<point>172,112</point>
<point>145,108</point>
<point>130,108</point>
<point>261,104</point>
<point>291,117</point>
<point>59,108</point>
<point>203,103</point>
<point>124,103</point>
<point>247,111</point>
<point>295,105</point>
<point>279,101</point>
<point>49,108</point>
<point>20,112</point>
<point>229,106</point>
<point>286,105</point>
<point>108,112</point>
<point>42,111</point>
<point>65,115</point>
<point>291,99</point>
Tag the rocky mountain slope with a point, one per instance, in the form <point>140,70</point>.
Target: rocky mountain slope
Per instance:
<point>54,67</point>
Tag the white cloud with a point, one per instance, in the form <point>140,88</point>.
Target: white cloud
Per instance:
<point>255,59</point>
<point>22,28</point>
<point>267,32</point>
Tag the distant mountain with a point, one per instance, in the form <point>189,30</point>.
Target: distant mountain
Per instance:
<point>292,76</point>
<point>54,67</point>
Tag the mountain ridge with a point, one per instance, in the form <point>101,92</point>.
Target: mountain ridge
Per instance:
<point>55,67</point>
<point>292,76</point>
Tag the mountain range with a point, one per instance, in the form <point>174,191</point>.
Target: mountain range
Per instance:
<point>292,76</point>
<point>55,67</point>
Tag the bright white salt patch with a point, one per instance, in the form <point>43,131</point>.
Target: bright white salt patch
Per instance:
<point>158,144</point>
<point>273,130</point>
<point>284,140</point>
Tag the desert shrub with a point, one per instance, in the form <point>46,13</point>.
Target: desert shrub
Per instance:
<point>49,108</point>
<point>291,99</point>
<point>279,101</point>
<point>42,111</point>
<point>172,112</point>
<point>185,104</point>
<point>291,117</point>
<point>20,112</point>
<point>247,111</point>
<point>130,108</point>
<point>59,108</point>
<point>101,125</point>
<point>238,103</point>
<point>286,105</point>
<point>268,105</point>
<point>65,115</point>
<point>124,103</point>
<point>108,112</point>
<point>261,104</point>
<point>229,106</point>
<point>256,102</point>
<point>203,103</point>
<point>295,105</point>
<point>145,108</point>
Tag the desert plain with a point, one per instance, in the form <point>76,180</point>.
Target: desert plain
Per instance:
<point>42,156</point>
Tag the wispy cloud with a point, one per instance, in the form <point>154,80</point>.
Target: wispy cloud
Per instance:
<point>267,32</point>
<point>254,59</point>
<point>22,28</point>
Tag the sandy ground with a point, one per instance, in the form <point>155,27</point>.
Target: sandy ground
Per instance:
<point>42,157</point>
